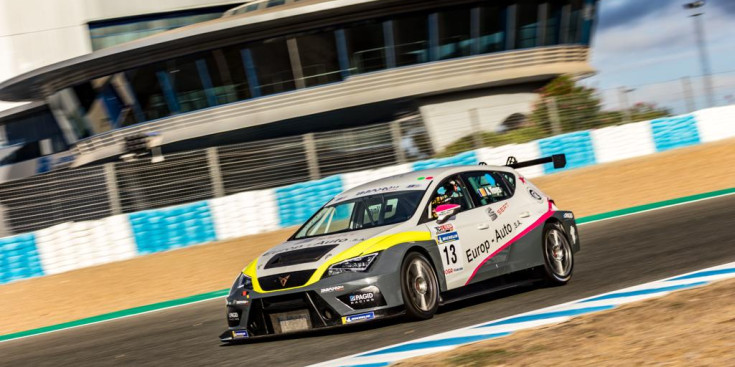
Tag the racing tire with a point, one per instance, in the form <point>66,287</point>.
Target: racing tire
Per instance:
<point>419,287</point>
<point>558,255</point>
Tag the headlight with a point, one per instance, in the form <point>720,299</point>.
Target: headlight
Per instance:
<point>355,264</point>
<point>242,282</point>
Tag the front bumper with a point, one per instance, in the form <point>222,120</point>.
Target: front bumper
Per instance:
<point>335,301</point>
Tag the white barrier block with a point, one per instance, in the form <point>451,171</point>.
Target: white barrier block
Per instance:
<point>70,246</point>
<point>497,156</point>
<point>716,123</point>
<point>244,214</point>
<point>616,143</point>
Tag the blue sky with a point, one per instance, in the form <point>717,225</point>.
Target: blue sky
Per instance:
<point>639,42</point>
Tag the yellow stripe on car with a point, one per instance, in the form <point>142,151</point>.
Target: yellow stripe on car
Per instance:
<point>368,246</point>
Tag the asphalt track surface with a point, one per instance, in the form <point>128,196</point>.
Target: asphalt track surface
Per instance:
<point>616,253</point>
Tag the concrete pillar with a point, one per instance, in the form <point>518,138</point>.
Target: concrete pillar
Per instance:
<point>215,174</point>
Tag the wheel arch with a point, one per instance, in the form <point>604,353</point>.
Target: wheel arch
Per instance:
<point>428,249</point>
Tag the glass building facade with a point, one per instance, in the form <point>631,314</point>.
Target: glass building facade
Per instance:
<point>109,33</point>
<point>30,135</point>
<point>332,54</point>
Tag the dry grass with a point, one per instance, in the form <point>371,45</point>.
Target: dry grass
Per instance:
<point>688,328</point>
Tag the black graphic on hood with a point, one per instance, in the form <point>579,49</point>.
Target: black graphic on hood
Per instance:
<point>300,256</point>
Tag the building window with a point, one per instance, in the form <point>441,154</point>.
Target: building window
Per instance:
<point>411,39</point>
<point>186,82</point>
<point>553,20</point>
<point>227,71</point>
<point>455,39</point>
<point>109,33</point>
<point>33,134</point>
<point>273,66</point>
<point>526,24</point>
<point>366,47</point>
<point>144,84</point>
<point>574,28</point>
<point>492,28</point>
<point>318,56</point>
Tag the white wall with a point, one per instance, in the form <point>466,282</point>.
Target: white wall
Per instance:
<point>448,121</point>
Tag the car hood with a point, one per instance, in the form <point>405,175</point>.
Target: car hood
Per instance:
<point>310,253</point>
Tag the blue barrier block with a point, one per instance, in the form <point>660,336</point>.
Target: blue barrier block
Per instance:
<point>577,147</point>
<point>298,202</point>
<point>674,132</point>
<point>164,229</point>
<point>466,158</point>
<point>19,258</point>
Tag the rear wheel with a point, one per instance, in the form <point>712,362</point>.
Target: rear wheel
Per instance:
<point>419,287</point>
<point>558,255</point>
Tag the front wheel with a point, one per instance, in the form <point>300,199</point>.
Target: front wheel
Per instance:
<point>558,255</point>
<point>419,287</point>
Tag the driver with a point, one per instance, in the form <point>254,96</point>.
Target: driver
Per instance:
<point>449,193</point>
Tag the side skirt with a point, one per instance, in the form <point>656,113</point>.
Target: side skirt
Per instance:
<point>521,278</point>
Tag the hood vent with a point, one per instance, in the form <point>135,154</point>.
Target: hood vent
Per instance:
<point>300,256</point>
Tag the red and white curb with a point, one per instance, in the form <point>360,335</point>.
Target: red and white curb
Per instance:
<point>545,316</point>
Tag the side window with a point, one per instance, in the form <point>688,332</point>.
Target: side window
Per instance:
<point>450,191</point>
<point>487,187</point>
<point>510,179</point>
<point>391,207</point>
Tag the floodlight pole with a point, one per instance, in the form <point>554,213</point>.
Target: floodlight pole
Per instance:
<point>703,56</point>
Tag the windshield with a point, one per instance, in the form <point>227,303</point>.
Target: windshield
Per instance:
<point>360,213</point>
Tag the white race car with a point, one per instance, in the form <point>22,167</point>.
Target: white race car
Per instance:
<point>406,245</point>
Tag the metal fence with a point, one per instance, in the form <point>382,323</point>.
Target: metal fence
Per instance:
<point>124,187</point>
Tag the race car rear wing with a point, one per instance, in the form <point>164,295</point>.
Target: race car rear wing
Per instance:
<point>559,161</point>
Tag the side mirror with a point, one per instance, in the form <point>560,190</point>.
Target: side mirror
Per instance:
<point>446,211</point>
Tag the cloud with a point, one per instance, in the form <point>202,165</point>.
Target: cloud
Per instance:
<point>666,32</point>
<point>727,6</point>
<point>624,12</point>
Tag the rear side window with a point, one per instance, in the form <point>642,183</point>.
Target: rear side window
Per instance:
<point>510,180</point>
<point>487,187</point>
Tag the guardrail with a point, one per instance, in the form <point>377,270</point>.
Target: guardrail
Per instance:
<point>76,245</point>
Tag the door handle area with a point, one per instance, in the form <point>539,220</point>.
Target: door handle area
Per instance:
<point>525,215</point>
<point>483,226</point>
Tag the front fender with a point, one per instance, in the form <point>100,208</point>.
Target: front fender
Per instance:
<point>391,258</point>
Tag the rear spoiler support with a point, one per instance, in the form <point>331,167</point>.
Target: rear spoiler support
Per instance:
<point>559,161</point>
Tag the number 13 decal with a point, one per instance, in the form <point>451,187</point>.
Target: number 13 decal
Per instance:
<point>450,254</point>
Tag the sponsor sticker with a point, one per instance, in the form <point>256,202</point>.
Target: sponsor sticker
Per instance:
<point>240,334</point>
<point>377,190</point>
<point>535,195</point>
<point>239,302</point>
<point>359,317</point>
<point>444,228</point>
<point>233,316</point>
<point>336,288</point>
<point>361,298</point>
<point>502,209</point>
<point>447,237</point>
<point>482,249</point>
<point>491,214</point>
<point>568,215</point>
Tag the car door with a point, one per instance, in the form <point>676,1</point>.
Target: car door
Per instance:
<point>459,232</point>
<point>491,193</point>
